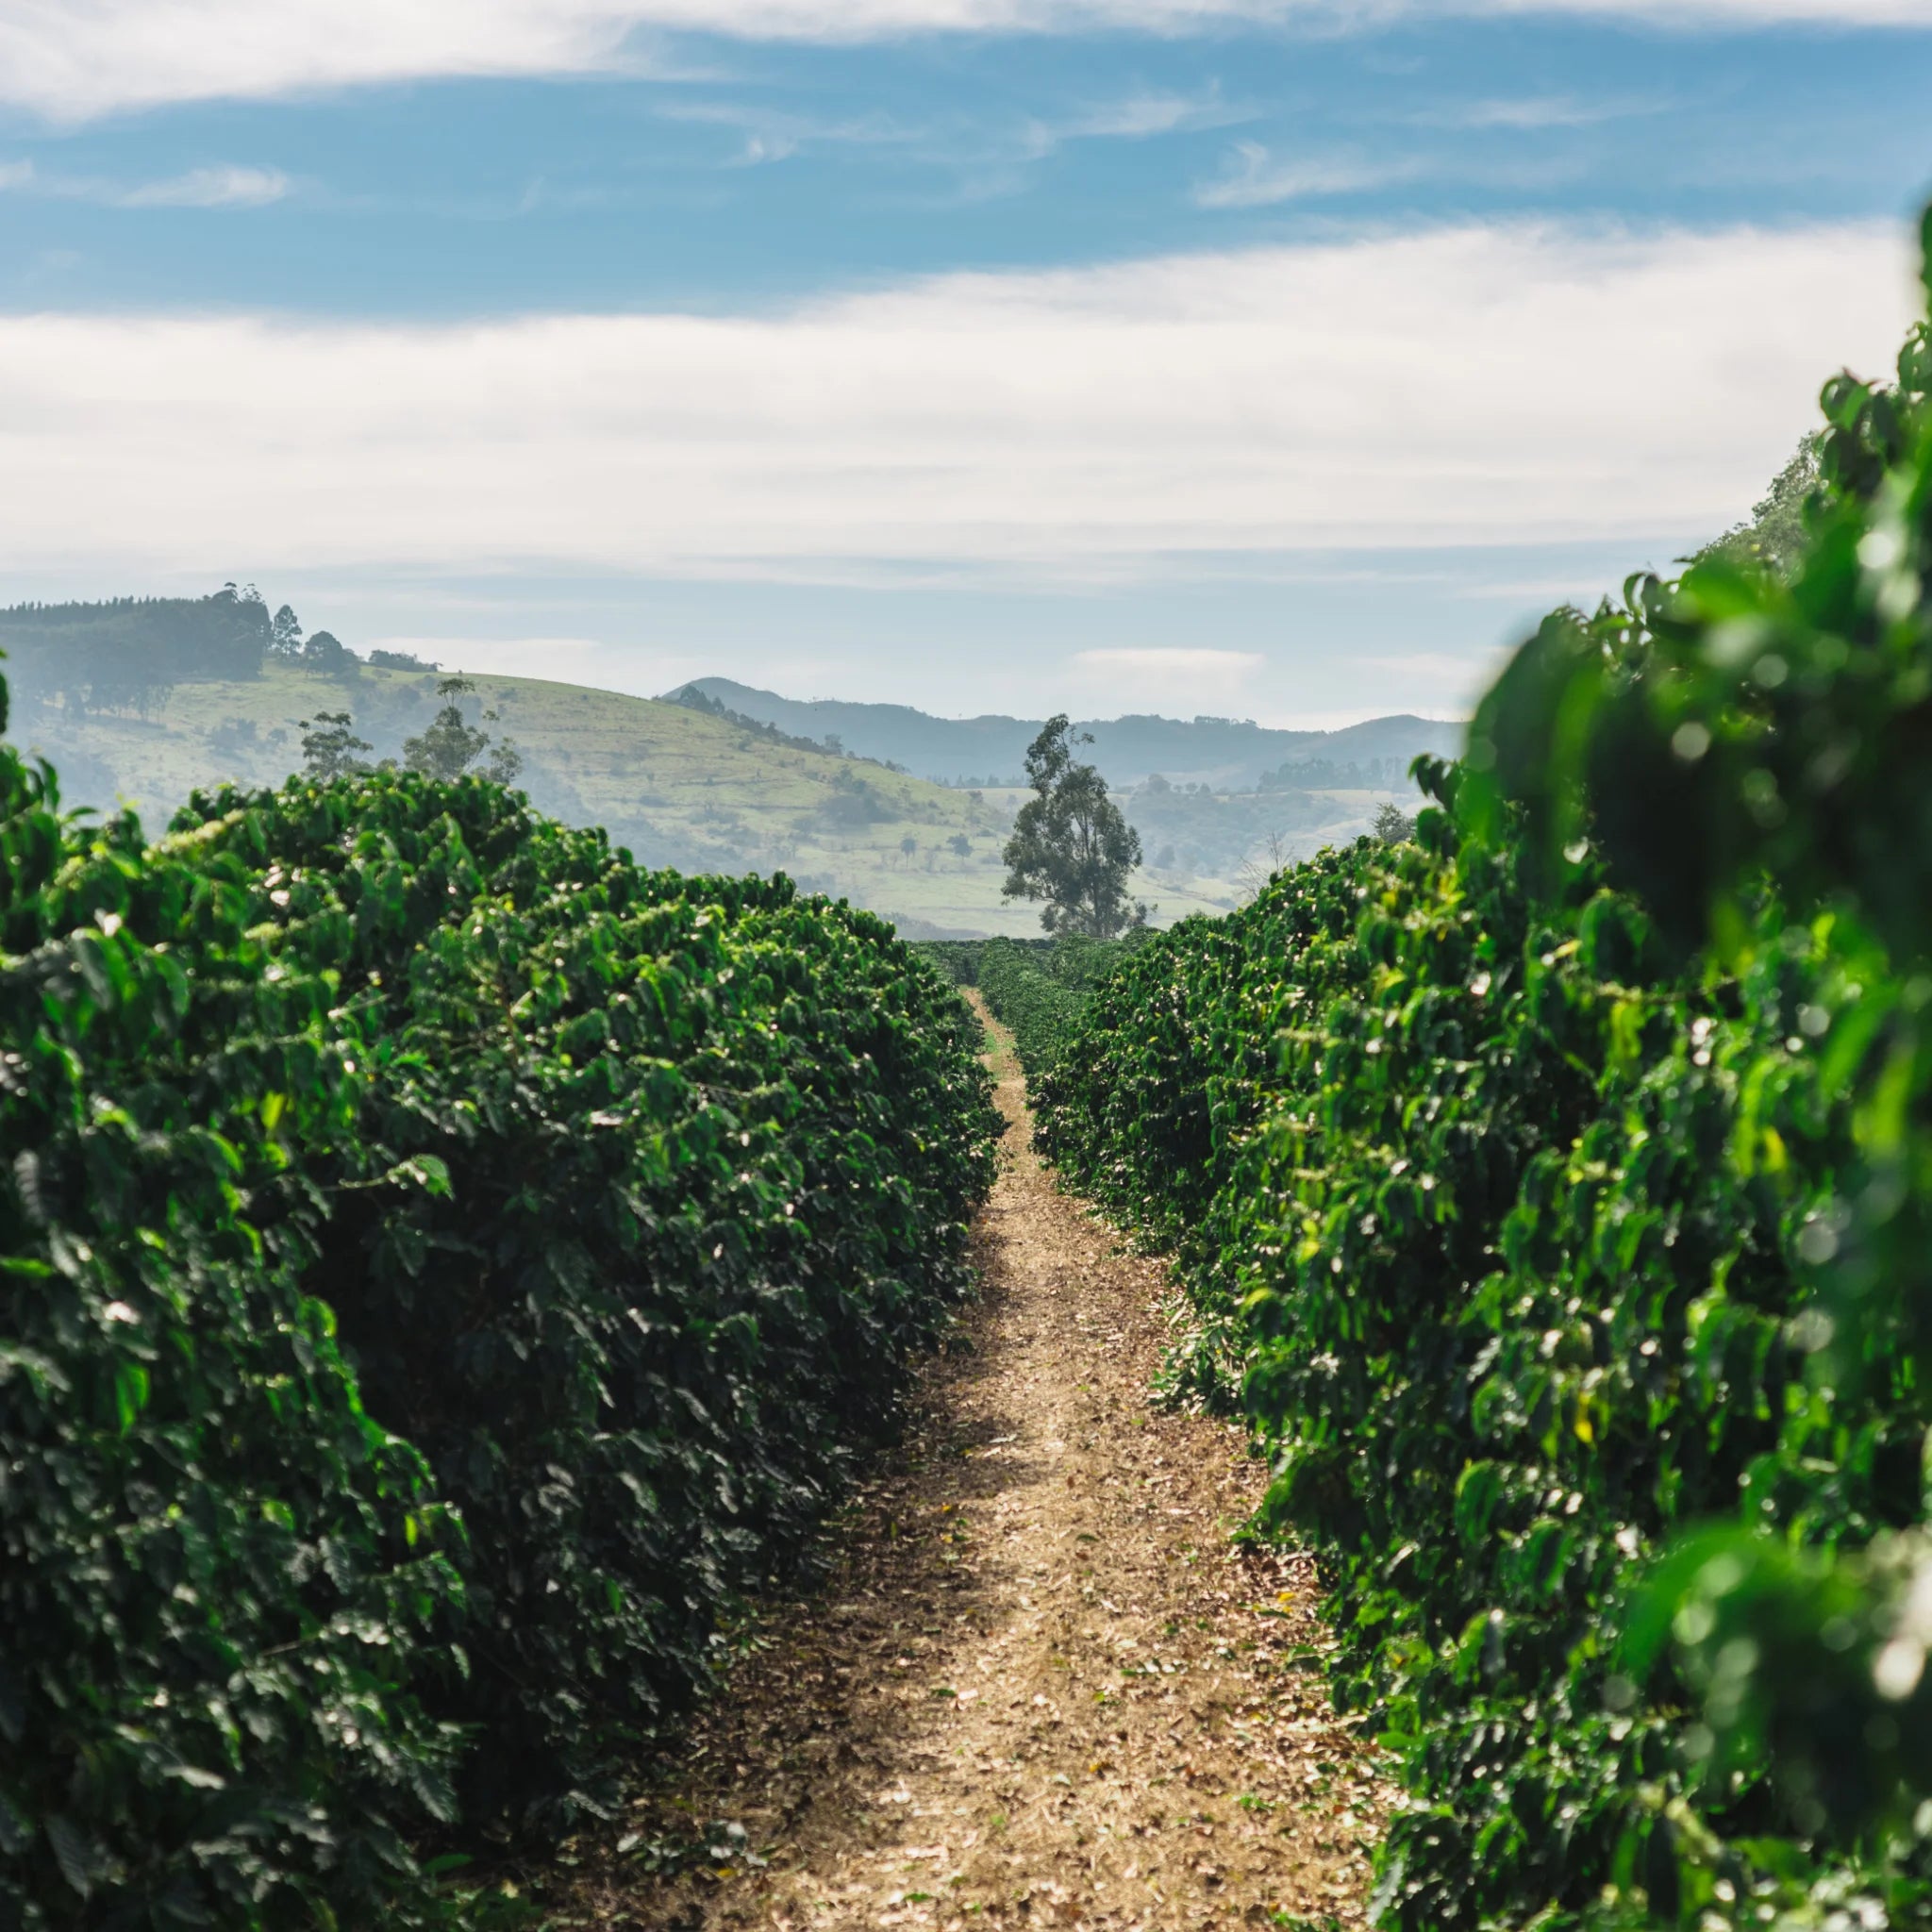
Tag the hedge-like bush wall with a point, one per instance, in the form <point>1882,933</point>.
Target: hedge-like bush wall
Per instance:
<point>1556,1192</point>
<point>445,1267</point>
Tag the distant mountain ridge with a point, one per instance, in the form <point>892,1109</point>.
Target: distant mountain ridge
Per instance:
<point>1226,753</point>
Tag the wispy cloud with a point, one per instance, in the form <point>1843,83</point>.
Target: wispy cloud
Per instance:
<point>211,187</point>
<point>1139,117</point>
<point>1410,390</point>
<point>1253,177</point>
<point>228,186</point>
<point>1170,658</point>
<point>1535,114</point>
<point>992,156</point>
<point>769,134</point>
<point>73,58</point>
<point>1004,155</point>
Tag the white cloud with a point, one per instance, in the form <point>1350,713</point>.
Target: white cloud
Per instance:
<point>1464,386</point>
<point>75,58</point>
<point>1700,13</point>
<point>1255,178</point>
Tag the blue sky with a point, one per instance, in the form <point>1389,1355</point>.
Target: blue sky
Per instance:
<point>1280,357</point>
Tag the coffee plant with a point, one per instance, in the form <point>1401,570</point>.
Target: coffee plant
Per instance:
<point>709,1152</point>
<point>1736,739</point>
<point>447,1268</point>
<point>219,1577</point>
<point>1555,1191</point>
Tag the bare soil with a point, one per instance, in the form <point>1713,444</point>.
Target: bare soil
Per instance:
<point>1044,1685</point>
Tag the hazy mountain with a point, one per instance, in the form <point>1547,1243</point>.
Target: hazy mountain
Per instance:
<point>1229,754</point>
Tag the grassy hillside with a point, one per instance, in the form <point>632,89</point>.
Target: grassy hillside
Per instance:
<point>678,787</point>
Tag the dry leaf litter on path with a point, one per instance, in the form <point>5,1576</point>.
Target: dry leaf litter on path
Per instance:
<point>1042,1686</point>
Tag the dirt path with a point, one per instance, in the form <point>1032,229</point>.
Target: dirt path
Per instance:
<point>1043,1687</point>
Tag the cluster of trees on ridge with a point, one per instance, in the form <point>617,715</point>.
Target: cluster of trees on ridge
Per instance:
<point>127,654</point>
<point>449,746</point>
<point>694,697</point>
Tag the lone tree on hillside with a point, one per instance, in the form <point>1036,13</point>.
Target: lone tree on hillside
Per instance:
<point>1394,825</point>
<point>326,653</point>
<point>1070,845</point>
<point>451,745</point>
<point>330,746</point>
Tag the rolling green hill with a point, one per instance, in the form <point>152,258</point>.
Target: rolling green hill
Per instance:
<point>677,786</point>
<point>144,699</point>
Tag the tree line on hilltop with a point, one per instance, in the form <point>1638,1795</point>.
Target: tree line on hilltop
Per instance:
<point>128,654</point>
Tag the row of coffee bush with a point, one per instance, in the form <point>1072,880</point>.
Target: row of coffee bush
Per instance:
<point>443,1268</point>
<point>1036,987</point>
<point>1025,994</point>
<point>1556,1192</point>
